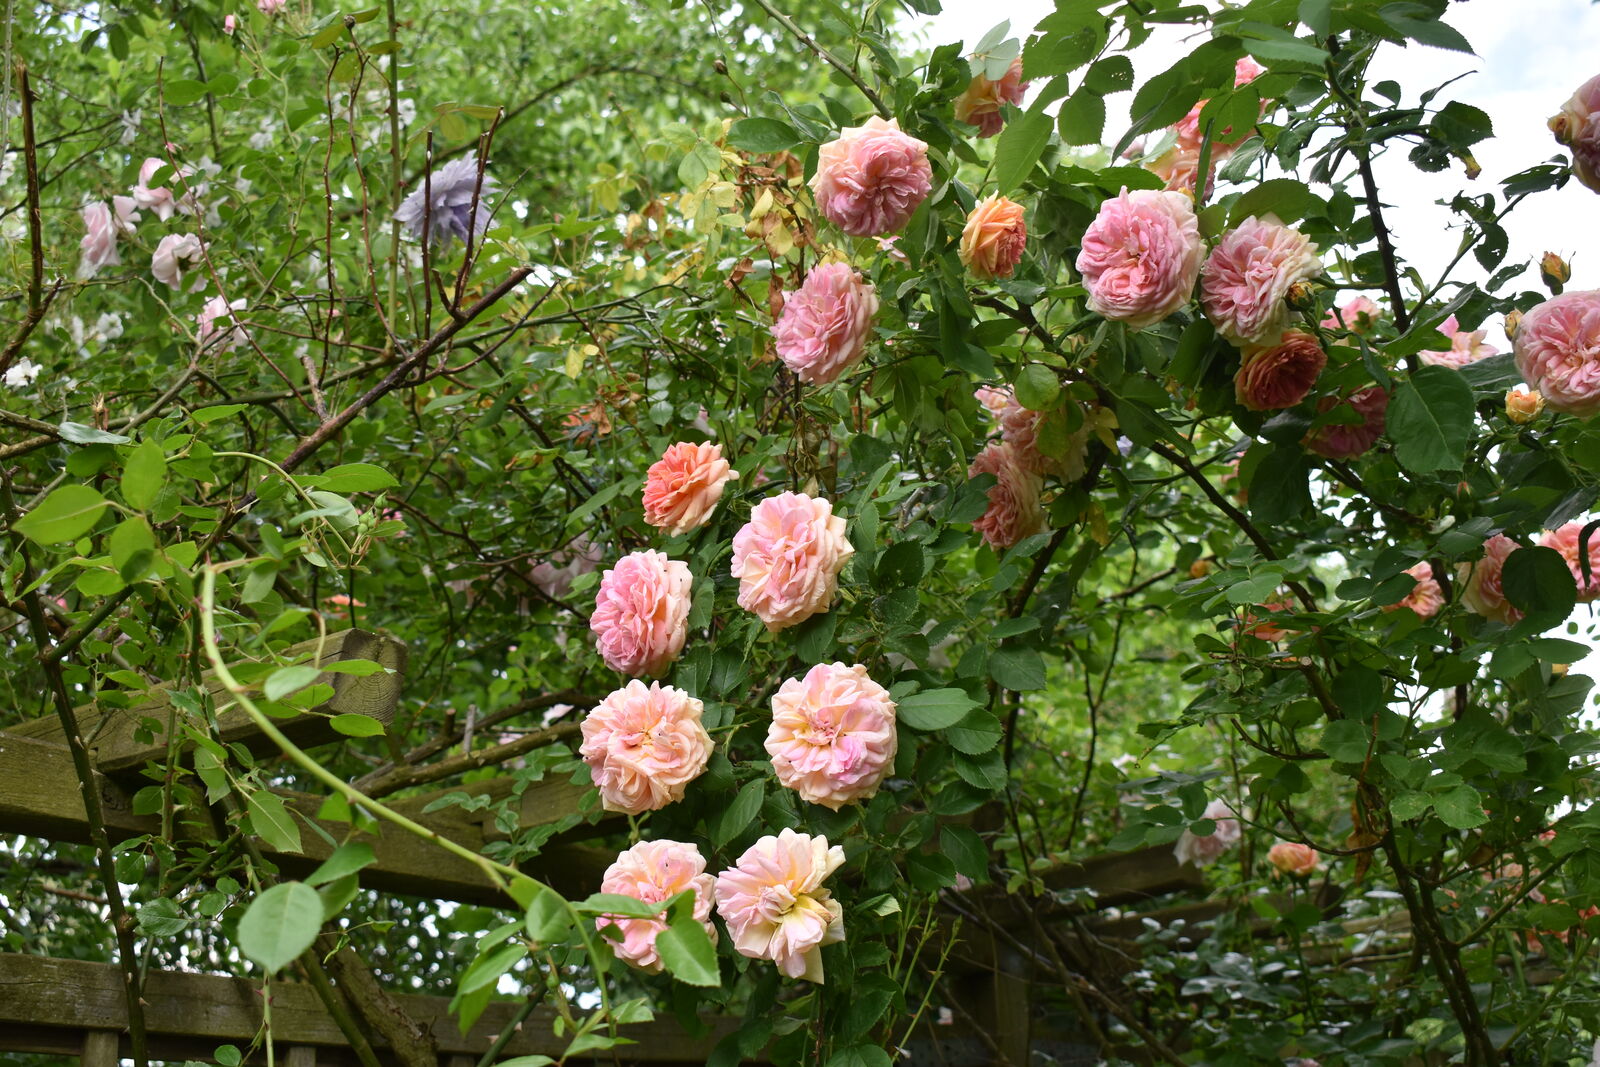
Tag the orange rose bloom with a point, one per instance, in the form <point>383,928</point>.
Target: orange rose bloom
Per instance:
<point>992,240</point>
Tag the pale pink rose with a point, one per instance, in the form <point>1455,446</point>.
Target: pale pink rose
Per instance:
<point>1014,510</point>
<point>1425,598</point>
<point>167,263</point>
<point>1558,351</point>
<point>1523,405</point>
<point>681,489</point>
<point>1244,288</point>
<point>979,104</point>
<point>1342,440</point>
<point>1270,379</point>
<point>655,872</point>
<point>788,558</point>
<point>1481,588</point>
<point>871,178</point>
<point>271,7</point>
<point>641,613</point>
<point>125,213</point>
<point>775,905</point>
<point>1204,851</point>
<point>1565,541</point>
<point>832,738</point>
<point>98,248</point>
<point>226,337</point>
<point>1465,347</point>
<point>1141,256</point>
<point>160,199</point>
<point>644,745</point>
<point>1360,316</point>
<point>1578,127</point>
<point>823,329</point>
<point>993,238</point>
<point>1293,858</point>
<point>229,24</point>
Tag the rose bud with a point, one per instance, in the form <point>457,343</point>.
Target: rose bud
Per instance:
<point>1513,320</point>
<point>1555,272</point>
<point>1523,405</point>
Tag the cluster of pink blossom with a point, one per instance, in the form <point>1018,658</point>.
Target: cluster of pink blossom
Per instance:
<point>1179,165</point>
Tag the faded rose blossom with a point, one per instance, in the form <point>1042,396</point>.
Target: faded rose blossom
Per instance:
<point>1270,379</point>
<point>1292,858</point>
<point>1345,440</point>
<point>1480,582</point>
<point>979,104</point>
<point>1204,851</point>
<point>788,558</point>
<point>681,489</point>
<point>1523,406</point>
<point>229,24</point>
<point>1578,127</point>
<point>218,339</point>
<point>641,613</point>
<point>1141,256</point>
<point>98,249</point>
<point>825,324</point>
<point>1019,428</point>
<point>654,872</point>
<point>1557,351</point>
<point>1425,598</point>
<point>644,745</point>
<point>452,203</point>
<point>1014,510</point>
<point>832,738</point>
<point>1268,629</point>
<point>170,256</point>
<point>160,199</point>
<point>1465,347</point>
<point>1360,316</point>
<point>871,178</point>
<point>1565,541</point>
<point>775,905</point>
<point>271,7</point>
<point>993,238</point>
<point>1244,288</point>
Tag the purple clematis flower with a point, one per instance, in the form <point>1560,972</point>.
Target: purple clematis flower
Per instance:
<point>451,214</point>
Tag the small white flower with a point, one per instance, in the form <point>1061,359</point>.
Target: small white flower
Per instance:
<point>21,373</point>
<point>130,125</point>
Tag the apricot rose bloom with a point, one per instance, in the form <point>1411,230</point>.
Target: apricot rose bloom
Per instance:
<point>655,872</point>
<point>775,905</point>
<point>644,745</point>
<point>1347,440</point>
<point>1558,351</point>
<point>1245,285</point>
<point>979,104</point>
<point>1481,588</point>
<point>832,738</point>
<point>823,329</point>
<point>1270,379</point>
<point>641,613</point>
<point>1425,598</point>
<point>1565,541</point>
<point>1014,510</point>
<point>1291,857</point>
<point>788,558</point>
<point>1465,346</point>
<point>1523,405</point>
<point>871,178</point>
<point>681,489</point>
<point>1578,127</point>
<point>1204,851</point>
<point>1141,256</point>
<point>993,238</point>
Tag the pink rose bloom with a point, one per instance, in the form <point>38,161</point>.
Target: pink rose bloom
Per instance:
<point>1179,168</point>
<point>1565,541</point>
<point>655,872</point>
<point>979,104</point>
<point>229,24</point>
<point>1223,142</point>
<point>1244,288</point>
<point>98,248</point>
<point>1270,379</point>
<point>775,906</point>
<point>823,329</point>
<point>171,254</point>
<point>871,179</point>
<point>1291,857</point>
<point>788,558</point>
<point>1425,598</point>
<point>1014,511</point>
<point>1465,347</point>
<point>1558,351</point>
<point>993,238</point>
<point>832,738</point>
<point>1578,127</point>
<point>644,745</point>
<point>1141,256</point>
<point>1019,428</point>
<point>1344,440</point>
<point>681,489</point>
<point>1204,851</point>
<point>1360,316</point>
<point>218,339</point>
<point>641,613</point>
<point>270,7</point>
<point>160,199</point>
<point>1481,589</point>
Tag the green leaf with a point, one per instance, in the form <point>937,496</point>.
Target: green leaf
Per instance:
<point>860,1056</point>
<point>1021,669</point>
<point>1286,198</point>
<point>161,918</point>
<point>346,859</point>
<point>1278,53</point>
<point>143,475</point>
<point>352,725</point>
<point>731,821</point>
<point>354,478</point>
<point>280,924</point>
<point>1409,805</point>
<point>617,904</point>
<point>1082,119</point>
<point>966,850</point>
<point>287,680</point>
<point>1037,387</point>
<point>272,822</point>
<point>976,734</point>
<point>201,416</point>
<point>1020,146</point>
<point>762,135</point>
<point>1113,74</point>
<point>1347,741</point>
<point>548,919</point>
<point>934,709</point>
<point>1537,581</point>
<point>69,512</point>
<point>1430,420</point>
<point>1460,807</point>
<point>1316,14</point>
<point>687,952</point>
<point>486,970</point>
<point>79,434</point>
<point>526,1061</point>
<point>183,91</point>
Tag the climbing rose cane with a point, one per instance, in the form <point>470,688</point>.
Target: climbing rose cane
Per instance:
<point>682,488</point>
<point>1141,256</point>
<point>644,745</point>
<point>788,558</point>
<point>871,178</point>
<point>832,738</point>
<point>641,613</point>
<point>775,906</point>
<point>655,872</point>
<point>823,329</point>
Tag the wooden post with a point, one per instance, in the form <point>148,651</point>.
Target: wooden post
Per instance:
<point>100,1048</point>
<point>302,1056</point>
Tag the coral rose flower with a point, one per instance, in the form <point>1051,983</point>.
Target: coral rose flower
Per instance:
<point>1344,440</point>
<point>171,254</point>
<point>644,745</point>
<point>823,329</point>
<point>1578,127</point>
<point>993,238</point>
<point>641,613</point>
<point>1523,405</point>
<point>1293,858</point>
<point>1141,256</point>
<point>1481,588</point>
<point>1014,511</point>
<point>1245,285</point>
<point>1558,351</point>
<point>1360,316</point>
<point>832,738</point>
<point>871,178</point>
<point>1425,598</point>
<point>681,489</point>
<point>788,558</point>
<point>979,104</point>
<point>1465,347</point>
<point>1204,851</point>
<point>655,872</point>
<point>1565,541</point>
<point>1267,628</point>
<point>775,906</point>
<point>1270,379</point>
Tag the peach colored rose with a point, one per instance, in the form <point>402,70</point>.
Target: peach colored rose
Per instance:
<point>1223,142</point>
<point>1019,428</point>
<point>1578,127</point>
<point>1141,256</point>
<point>170,256</point>
<point>775,905</point>
<point>644,745</point>
<point>1245,285</point>
<point>1267,628</point>
<point>823,329</point>
<point>655,872</point>
<point>1565,541</point>
<point>832,738</point>
<point>1204,851</point>
<point>1480,583</point>
<point>1558,351</point>
<point>217,339</point>
<point>788,558</point>
<point>681,489</point>
<point>1523,406</point>
<point>993,238</point>
<point>1270,379</point>
<point>1014,510</point>
<point>641,613</point>
<point>1292,858</point>
<point>1465,347</point>
<point>98,249</point>
<point>1360,316</point>
<point>871,178</point>
<point>1345,440</point>
<point>1179,165</point>
<point>979,104</point>
<point>1425,598</point>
